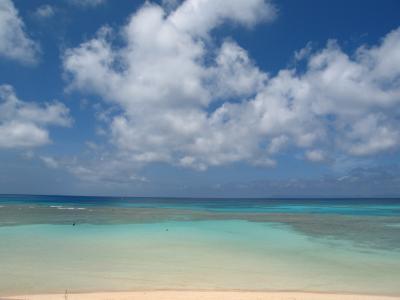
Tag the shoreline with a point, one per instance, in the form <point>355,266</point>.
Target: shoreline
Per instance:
<point>201,295</point>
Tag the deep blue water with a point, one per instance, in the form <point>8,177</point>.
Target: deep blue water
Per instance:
<point>341,206</point>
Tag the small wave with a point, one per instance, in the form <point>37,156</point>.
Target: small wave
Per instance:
<point>67,208</point>
<point>396,225</point>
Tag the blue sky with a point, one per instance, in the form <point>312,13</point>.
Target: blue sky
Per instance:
<point>200,98</point>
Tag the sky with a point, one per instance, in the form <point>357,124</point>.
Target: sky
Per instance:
<point>200,98</point>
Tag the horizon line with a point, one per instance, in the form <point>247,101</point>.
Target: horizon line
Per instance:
<point>211,197</point>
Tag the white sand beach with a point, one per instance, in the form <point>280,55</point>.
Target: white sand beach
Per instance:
<point>201,295</point>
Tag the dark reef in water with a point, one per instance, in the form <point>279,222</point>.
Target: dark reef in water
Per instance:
<point>380,232</point>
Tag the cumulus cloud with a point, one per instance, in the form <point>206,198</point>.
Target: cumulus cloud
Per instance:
<point>189,99</point>
<point>24,124</point>
<point>164,87</point>
<point>198,17</point>
<point>15,44</point>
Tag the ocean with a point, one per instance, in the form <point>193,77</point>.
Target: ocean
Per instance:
<point>53,244</point>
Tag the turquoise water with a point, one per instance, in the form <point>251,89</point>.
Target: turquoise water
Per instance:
<point>195,244</point>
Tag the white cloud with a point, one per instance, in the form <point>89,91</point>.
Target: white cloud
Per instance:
<point>372,134</point>
<point>171,73</point>
<point>315,155</point>
<point>303,53</point>
<point>24,124</point>
<point>198,17</point>
<point>162,86</point>
<point>234,74</point>
<point>14,42</point>
<point>44,11</point>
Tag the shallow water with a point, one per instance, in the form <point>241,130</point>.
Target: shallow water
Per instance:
<point>194,244</point>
